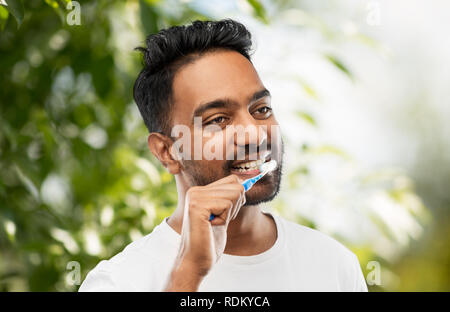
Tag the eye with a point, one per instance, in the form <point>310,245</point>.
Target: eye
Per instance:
<point>263,112</point>
<point>217,120</point>
<point>264,109</point>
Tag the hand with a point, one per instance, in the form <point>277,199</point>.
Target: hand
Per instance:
<point>203,241</point>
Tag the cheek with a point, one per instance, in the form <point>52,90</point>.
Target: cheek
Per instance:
<point>213,138</point>
<point>275,139</point>
<point>214,146</point>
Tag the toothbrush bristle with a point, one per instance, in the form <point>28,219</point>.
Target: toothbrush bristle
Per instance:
<point>268,166</point>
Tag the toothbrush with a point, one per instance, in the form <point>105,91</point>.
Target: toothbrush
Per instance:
<point>264,169</point>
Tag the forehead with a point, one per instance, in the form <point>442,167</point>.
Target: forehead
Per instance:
<point>218,74</point>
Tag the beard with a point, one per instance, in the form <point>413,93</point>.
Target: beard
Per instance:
<point>202,173</point>
<point>266,189</point>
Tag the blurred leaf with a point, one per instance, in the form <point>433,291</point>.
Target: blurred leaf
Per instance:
<point>336,62</point>
<point>4,14</point>
<point>102,75</point>
<point>369,41</point>
<point>301,18</point>
<point>382,226</point>
<point>53,3</point>
<point>306,222</point>
<point>149,17</point>
<point>15,7</point>
<point>27,183</point>
<point>308,89</point>
<point>43,278</point>
<point>59,8</point>
<point>329,149</point>
<point>259,10</point>
<point>293,176</point>
<point>307,117</point>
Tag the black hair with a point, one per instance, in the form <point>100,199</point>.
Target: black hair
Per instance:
<point>171,48</point>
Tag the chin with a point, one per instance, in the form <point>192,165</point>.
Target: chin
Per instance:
<point>266,194</point>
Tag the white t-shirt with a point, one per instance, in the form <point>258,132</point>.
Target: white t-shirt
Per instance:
<point>302,259</point>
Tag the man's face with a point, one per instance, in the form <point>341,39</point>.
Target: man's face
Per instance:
<point>219,92</point>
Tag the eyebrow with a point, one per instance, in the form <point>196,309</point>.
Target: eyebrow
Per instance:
<point>228,103</point>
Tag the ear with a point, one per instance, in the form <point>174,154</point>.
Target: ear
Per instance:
<point>160,146</point>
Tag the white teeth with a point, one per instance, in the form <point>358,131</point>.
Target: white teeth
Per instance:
<point>245,169</point>
<point>251,165</point>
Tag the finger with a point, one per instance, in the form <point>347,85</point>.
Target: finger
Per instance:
<point>239,197</point>
<point>224,193</point>
<point>232,178</point>
<point>221,210</point>
<point>235,187</point>
<point>232,192</point>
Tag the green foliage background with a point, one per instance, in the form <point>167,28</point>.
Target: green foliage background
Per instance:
<point>75,171</point>
<point>37,115</point>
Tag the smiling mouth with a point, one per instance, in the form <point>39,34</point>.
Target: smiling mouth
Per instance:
<point>250,167</point>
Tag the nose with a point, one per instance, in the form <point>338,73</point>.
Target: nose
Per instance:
<point>250,134</point>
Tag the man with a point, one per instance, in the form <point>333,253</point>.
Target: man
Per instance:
<point>199,78</point>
